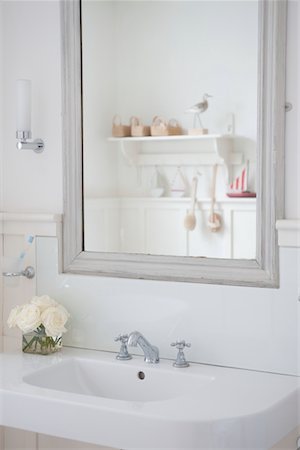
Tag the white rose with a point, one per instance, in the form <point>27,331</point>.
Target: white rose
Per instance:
<point>13,316</point>
<point>43,302</point>
<point>54,319</point>
<point>29,318</point>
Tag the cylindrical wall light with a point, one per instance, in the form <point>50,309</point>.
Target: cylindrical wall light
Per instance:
<point>23,133</point>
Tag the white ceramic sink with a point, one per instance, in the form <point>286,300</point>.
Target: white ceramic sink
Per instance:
<point>117,381</point>
<point>89,396</point>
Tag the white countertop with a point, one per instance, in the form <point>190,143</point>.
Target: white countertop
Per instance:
<point>216,408</point>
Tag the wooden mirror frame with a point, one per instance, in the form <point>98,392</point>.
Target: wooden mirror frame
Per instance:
<point>262,272</point>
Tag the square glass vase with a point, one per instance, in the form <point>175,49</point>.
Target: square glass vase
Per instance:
<point>37,342</point>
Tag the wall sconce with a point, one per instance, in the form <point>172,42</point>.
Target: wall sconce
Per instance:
<point>23,133</point>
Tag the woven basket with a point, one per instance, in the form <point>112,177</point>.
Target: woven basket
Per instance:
<point>159,127</point>
<point>119,130</point>
<point>197,131</point>
<point>174,128</point>
<point>137,128</point>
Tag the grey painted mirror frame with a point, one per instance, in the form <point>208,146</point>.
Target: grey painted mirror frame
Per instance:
<point>263,271</point>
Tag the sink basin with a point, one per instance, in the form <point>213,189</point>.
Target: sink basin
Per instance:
<point>90,396</point>
<point>117,381</point>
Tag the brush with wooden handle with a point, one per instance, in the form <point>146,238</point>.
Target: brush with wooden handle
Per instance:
<point>214,219</point>
<point>190,218</point>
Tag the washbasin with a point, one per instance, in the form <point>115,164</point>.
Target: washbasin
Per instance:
<point>119,381</point>
<point>90,396</point>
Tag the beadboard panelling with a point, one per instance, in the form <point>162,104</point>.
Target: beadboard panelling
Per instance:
<point>16,290</point>
<point>50,225</point>
<point>30,223</point>
<point>19,439</point>
<point>25,440</point>
<point>49,443</point>
<point>156,227</point>
<point>1,289</point>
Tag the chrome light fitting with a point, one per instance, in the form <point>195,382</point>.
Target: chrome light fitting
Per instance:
<point>23,133</point>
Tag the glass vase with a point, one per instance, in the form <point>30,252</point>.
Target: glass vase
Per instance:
<point>39,342</point>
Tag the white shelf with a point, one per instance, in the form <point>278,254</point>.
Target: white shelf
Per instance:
<point>212,149</point>
<point>181,137</point>
<point>185,159</point>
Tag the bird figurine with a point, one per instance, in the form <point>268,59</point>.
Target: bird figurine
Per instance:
<point>198,109</point>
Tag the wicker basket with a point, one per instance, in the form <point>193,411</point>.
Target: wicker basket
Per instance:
<point>197,131</point>
<point>137,128</point>
<point>159,127</point>
<point>119,130</point>
<point>174,128</point>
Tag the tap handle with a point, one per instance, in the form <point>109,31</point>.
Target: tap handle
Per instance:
<point>180,344</point>
<point>180,358</point>
<point>123,338</point>
<point>123,354</point>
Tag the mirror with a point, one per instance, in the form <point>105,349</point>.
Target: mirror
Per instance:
<point>170,189</point>
<point>172,198</point>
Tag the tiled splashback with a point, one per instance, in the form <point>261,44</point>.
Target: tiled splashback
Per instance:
<point>233,326</point>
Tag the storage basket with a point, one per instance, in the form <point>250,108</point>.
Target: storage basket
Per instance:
<point>197,131</point>
<point>137,128</point>
<point>174,128</point>
<point>119,130</point>
<point>159,127</point>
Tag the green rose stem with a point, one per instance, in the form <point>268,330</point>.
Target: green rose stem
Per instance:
<point>46,342</point>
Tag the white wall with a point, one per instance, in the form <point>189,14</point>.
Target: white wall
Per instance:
<point>99,96</point>
<point>231,326</point>
<point>159,58</point>
<point>1,158</point>
<point>1,187</point>
<point>32,50</point>
<point>34,182</point>
<point>292,182</point>
<point>1,107</point>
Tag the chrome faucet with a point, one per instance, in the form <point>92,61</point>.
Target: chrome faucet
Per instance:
<point>151,352</point>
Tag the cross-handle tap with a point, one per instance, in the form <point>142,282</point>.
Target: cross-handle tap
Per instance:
<point>180,359</point>
<point>151,353</point>
<point>123,354</point>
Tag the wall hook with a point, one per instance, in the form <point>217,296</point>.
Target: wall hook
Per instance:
<point>288,107</point>
<point>28,272</point>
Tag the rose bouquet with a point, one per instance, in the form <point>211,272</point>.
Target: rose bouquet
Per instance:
<point>42,322</point>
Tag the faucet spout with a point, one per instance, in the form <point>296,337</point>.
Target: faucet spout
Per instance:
<point>151,353</point>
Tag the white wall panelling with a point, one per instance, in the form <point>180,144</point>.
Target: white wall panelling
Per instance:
<point>25,440</point>
<point>30,223</point>
<point>288,233</point>
<point>156,226</point>
<point>15,229</point>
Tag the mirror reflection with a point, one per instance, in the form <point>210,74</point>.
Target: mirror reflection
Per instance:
<point>169,127</point>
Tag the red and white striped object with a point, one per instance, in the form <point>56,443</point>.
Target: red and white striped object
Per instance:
<point>240,184</point>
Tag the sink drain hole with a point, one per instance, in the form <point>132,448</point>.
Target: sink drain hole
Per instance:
<point>141,375</point>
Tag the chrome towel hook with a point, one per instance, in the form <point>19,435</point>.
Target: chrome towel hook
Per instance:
<point>28,272</point>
